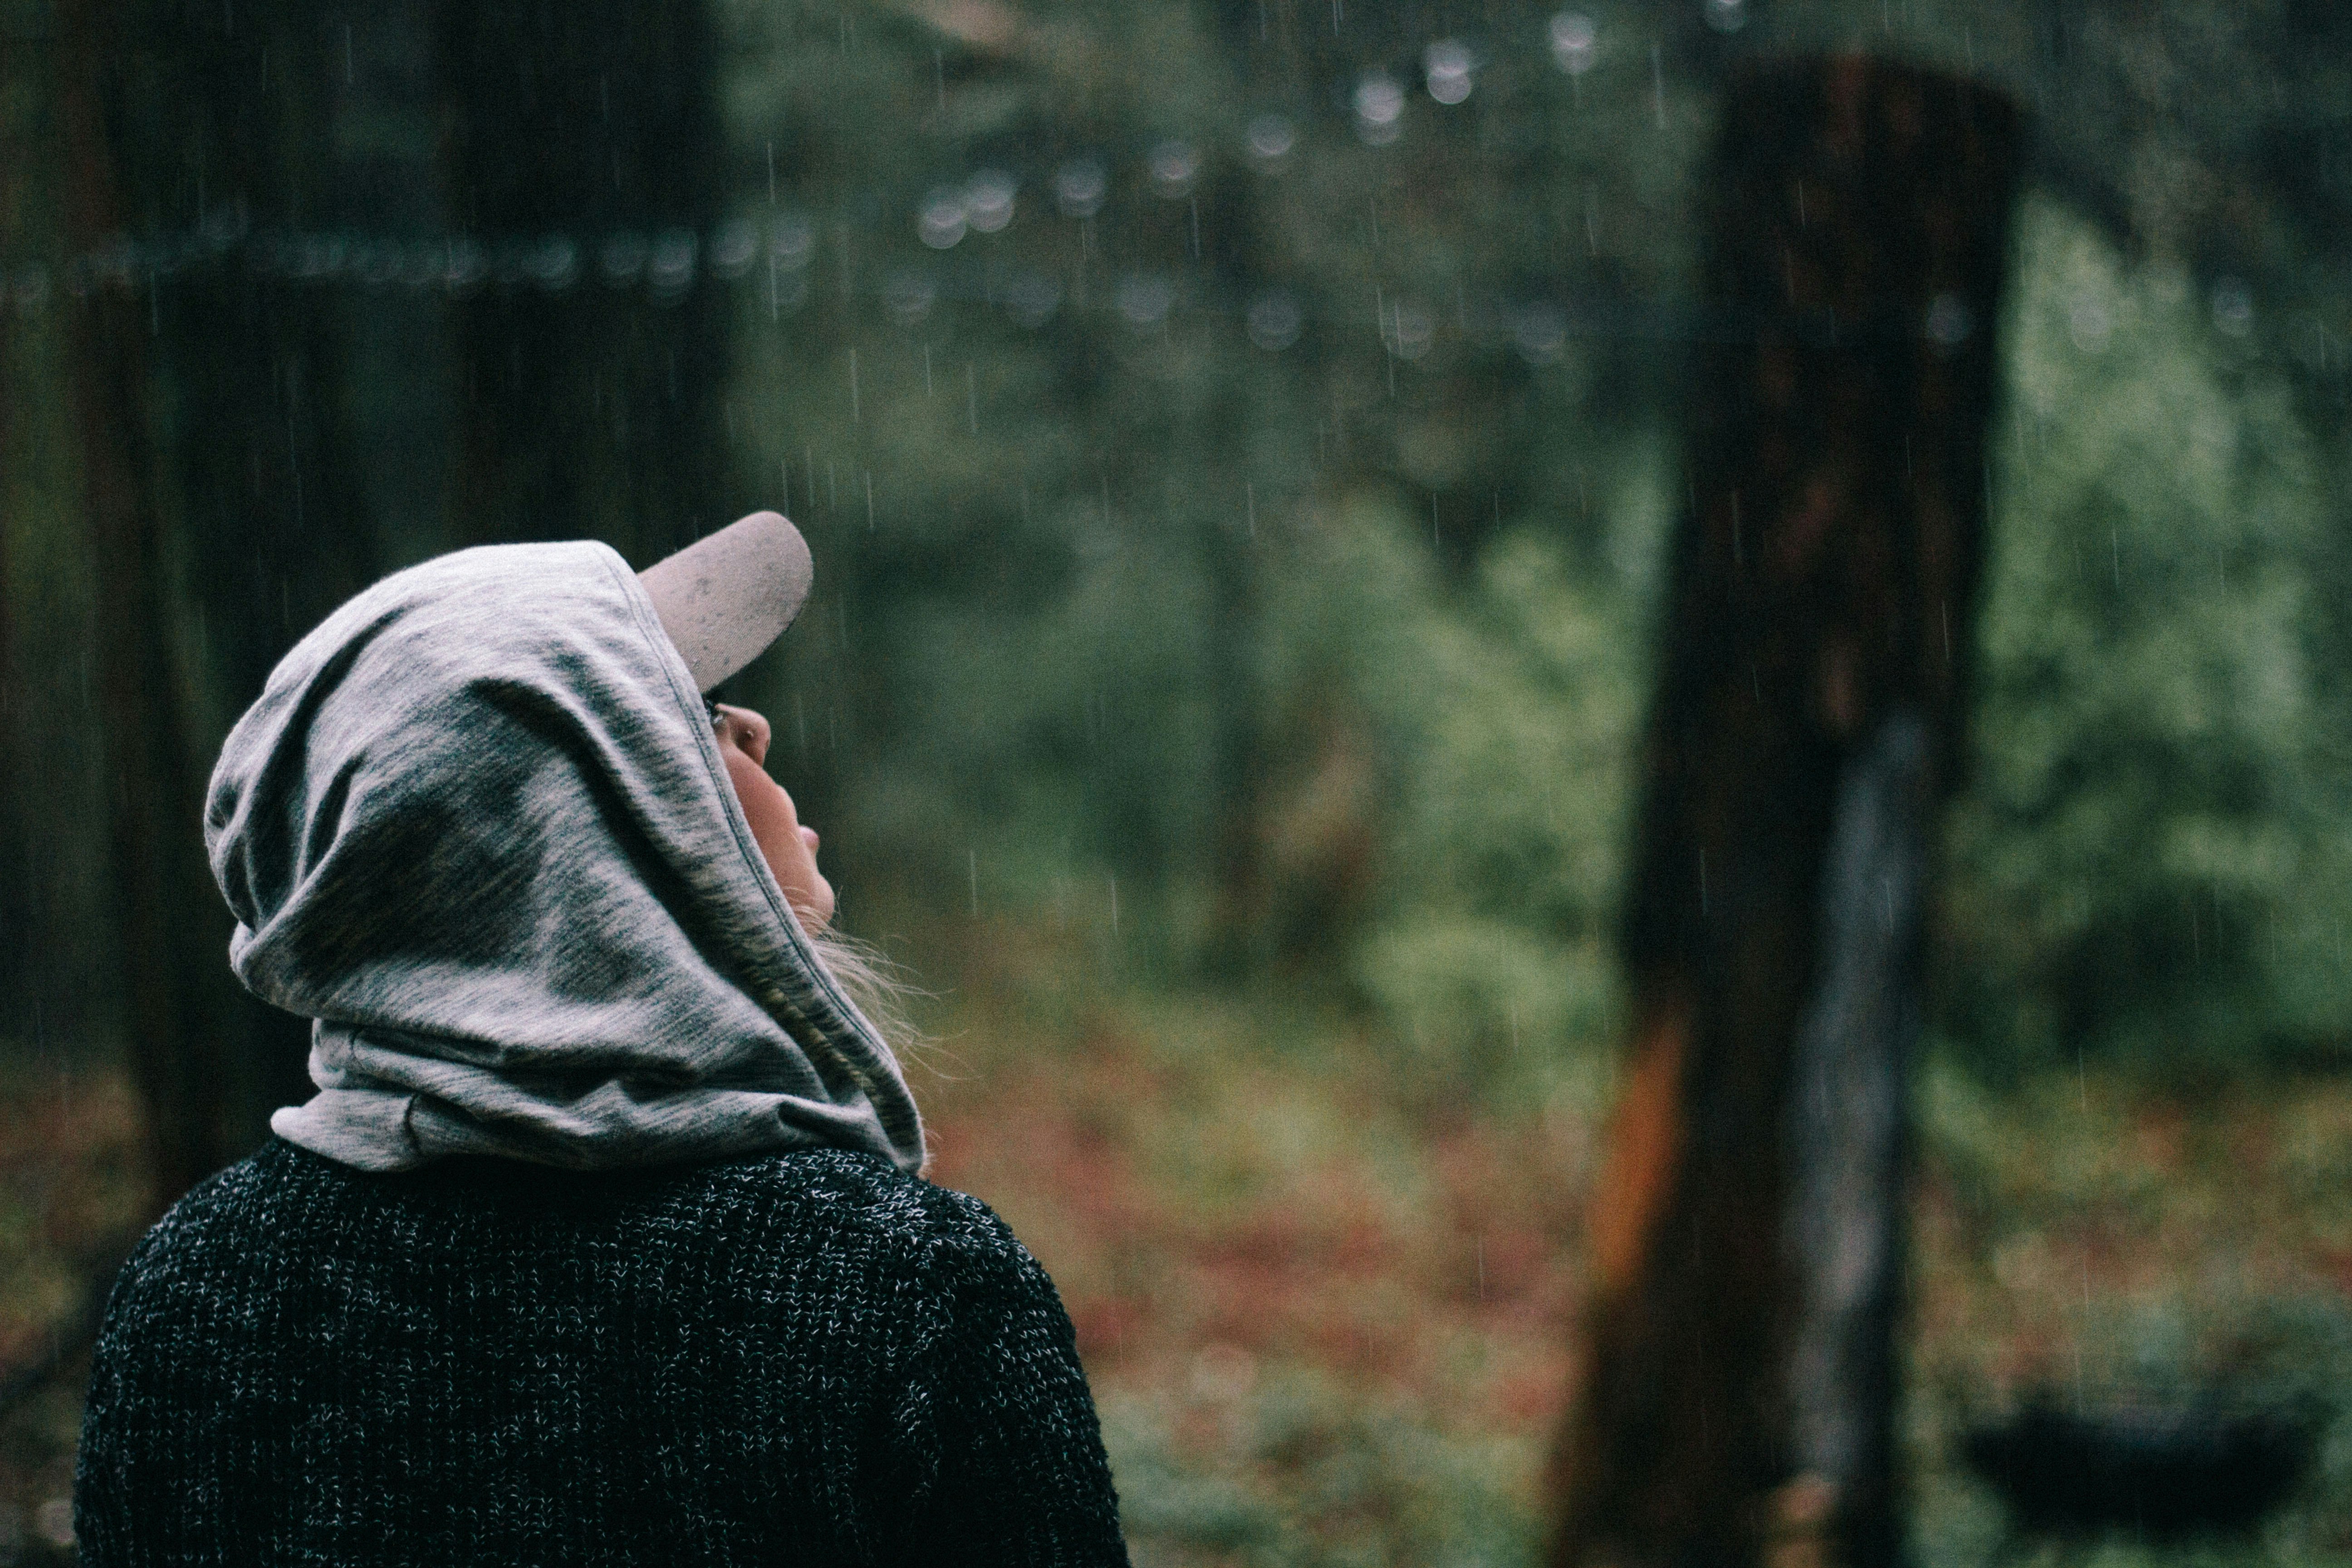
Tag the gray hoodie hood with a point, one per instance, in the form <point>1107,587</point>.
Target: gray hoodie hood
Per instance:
<point>476,826</point>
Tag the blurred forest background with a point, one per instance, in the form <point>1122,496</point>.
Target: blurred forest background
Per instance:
<point>1240,441</point>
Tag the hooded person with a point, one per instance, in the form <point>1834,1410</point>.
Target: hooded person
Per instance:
<point>603,1240</point>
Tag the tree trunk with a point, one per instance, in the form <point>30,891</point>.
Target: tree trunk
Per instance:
<point>153,806</point>
<point>1737,1385</point>
<point>593,383</point>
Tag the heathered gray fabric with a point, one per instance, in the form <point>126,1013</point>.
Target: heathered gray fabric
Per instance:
<point>478,827</point>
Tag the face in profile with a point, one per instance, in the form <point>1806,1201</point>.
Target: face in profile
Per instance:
<point>788,848</point>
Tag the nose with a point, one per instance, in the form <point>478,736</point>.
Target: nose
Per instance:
<point>750,732</point>
<point>755,743</point>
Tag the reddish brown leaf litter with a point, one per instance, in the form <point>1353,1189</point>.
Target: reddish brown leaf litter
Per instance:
<point>1284,1261</point>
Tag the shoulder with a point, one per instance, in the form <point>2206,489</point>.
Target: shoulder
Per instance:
<point>252,1194</point>
<point>854,1187</point>
<point>283,1192</point>
<point>809,1219</point>
<point>856,1193</point>
<point>951,1249</point>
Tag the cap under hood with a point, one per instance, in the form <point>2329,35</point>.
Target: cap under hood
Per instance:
<point>476,826</point>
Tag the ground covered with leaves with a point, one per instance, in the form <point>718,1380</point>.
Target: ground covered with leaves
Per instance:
<point>1327,1295</point>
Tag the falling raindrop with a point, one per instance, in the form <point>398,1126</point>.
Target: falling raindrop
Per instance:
<point>941,219</point>
<point>1379,109</point>
<point>1271,138</point>
<point>1032,298</point>
<point>553,265</point>
<point>988,200</point>
<point>1447,65</point>
<point>791,242</point>
<point>463,268</point>
<point>1274,320</point>
<point>1539,331</point>
<point>732,248</point>
<point>310,259</point>
<point>507,261</point>
<point>1949,320</point>
<point>1411,331</point>
<point>907,296</point>
<point>1572,40</point>
<point>2234,307</point>
<point>623,259</point>
<point>787,290</point>
<point>1080,185</point>
<point>378,266</point>
<point>1143,299</point>
<point>1174,166</point>
<point>669,266</point>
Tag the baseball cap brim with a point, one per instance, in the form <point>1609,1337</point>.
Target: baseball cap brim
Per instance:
<point>725,597</point>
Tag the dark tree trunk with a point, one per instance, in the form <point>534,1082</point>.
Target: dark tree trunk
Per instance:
<point>1736,1385</point>
<point>153,804</point>
<point>592,401</point>
<point>271,376</point>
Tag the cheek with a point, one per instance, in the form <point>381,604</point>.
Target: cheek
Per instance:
<point>776,827</point>
<point>765,805</point>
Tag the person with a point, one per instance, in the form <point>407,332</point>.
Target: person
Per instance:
<point>603,1240</point>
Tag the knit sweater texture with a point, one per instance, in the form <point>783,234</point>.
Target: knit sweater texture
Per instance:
<point>805,1358</point>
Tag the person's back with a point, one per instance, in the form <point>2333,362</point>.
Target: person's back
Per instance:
<point>808,1358</point>
<point>604,1239</point>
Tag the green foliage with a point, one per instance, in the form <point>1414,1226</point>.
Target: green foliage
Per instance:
<point>1326,660</point>
<point>1271,639</point>
<point>1302,1472</point>
<point>1322,660</point>
<point>2151,852</point>
<point>1503,710</point>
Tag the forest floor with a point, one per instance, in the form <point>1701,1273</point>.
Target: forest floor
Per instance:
<point>1327,1302</point>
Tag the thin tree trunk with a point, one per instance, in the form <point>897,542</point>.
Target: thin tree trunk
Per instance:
<point>153,806</point>
<point>1737,1384</point>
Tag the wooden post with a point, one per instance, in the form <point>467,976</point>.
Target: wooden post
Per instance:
<point>1737,1381</point>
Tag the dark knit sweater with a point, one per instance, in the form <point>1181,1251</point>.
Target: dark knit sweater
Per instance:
<point>805,1358</point>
